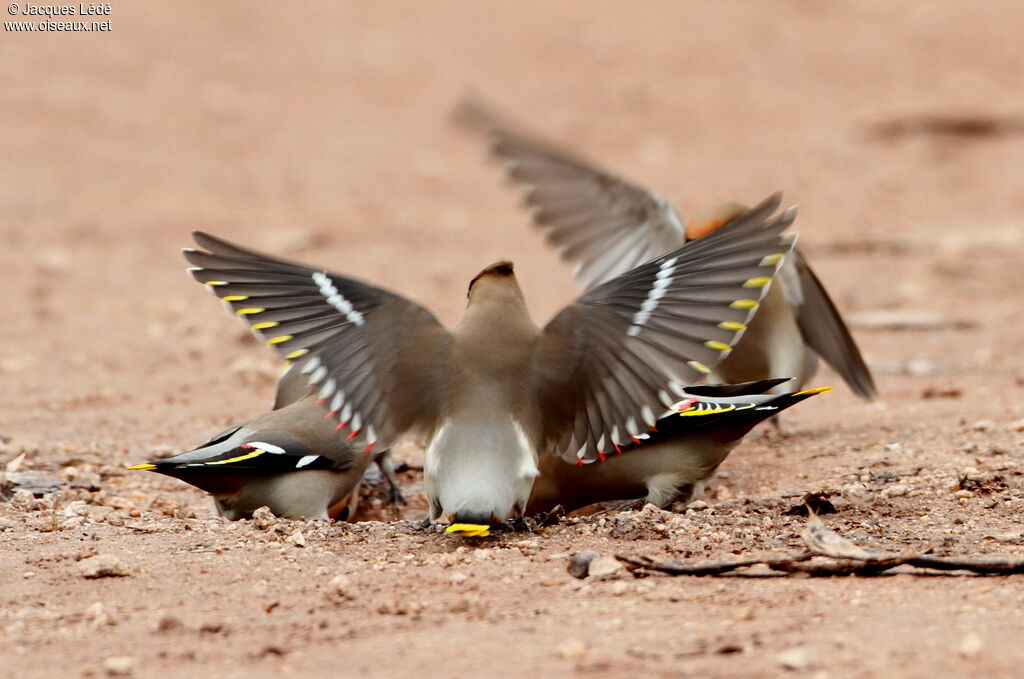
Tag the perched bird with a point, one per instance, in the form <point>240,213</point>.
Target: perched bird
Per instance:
<point>495,393</point>
<point>607,225</point>
<point>672,462</point>
<point>291,460</point>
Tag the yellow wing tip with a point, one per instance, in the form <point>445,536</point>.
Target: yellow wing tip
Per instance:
<point>810,392</point>
<point>146,467</point>
<point>469,530</point>
<point>757,282</point>
<point>278,340</point>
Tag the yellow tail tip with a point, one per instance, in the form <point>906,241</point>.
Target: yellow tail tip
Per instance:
<point>147,467</point>
<point>809,392</point>
<point>469,530</point>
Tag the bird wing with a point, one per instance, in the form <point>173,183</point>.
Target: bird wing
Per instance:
<point>608,364</point>
<point>600,221</point>
<point>376,359</point>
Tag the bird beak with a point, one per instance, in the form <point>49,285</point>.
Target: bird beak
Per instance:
<point>141,467</point>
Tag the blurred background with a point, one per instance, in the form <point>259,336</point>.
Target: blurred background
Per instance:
<point>321,131</point>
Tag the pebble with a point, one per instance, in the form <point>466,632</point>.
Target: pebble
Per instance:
<point>579,564</point>
<point>970,646</point>
<point>339,586</point>
<point>572,649</point>
<point>119,666</point>
<point>98,616</point>
<point>796,659</point>
<point>605,567</point>
<point>297,539</point>
<point>263,518</point>
<point>458,577</point>
<point>103,566</point>
<point>166,622</point>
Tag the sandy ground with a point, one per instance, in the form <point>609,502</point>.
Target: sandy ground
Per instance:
<point>320,132</point>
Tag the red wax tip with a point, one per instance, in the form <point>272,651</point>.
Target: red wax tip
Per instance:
<point>331,414</point>
<point>635,440</point>
<point>654,429</point>
<point>617,449</point>
<point>683,405</point>
<point>369,447</point>
<point>340,426</point>
<point>321,401</point>
<point>579,462</point>
<point>353,434</point>
<point>602,456</point>
<point>247,446</point>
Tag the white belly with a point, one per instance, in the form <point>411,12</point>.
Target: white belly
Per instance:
<point>479,469</point>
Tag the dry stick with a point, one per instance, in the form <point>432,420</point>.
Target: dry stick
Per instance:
<point>842,558</point>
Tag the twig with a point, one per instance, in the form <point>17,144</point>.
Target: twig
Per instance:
<point>828,554</point>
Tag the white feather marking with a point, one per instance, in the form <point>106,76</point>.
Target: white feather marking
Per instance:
<point>318,375</point>
<point>311,365</point>
<point>357,422</point>
<point>336,299</point>
<point>581,452</point>
<point>601,443</point>
<point>615,435</point>
<point>337,402</point>
<point>371,435</point>
<point>632,428</point>
<point>346,414</point>
<point>665,398</point>
<point>307,459</point>
<point>662,279</point>
<point>328,388</point>
<point>268,447</point>
<point>648,416</point>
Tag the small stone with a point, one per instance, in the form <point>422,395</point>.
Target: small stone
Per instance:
<point>619,587</point>
<point>605,567</point>
<point>24,499</point>
<point>263,518</point>
<point>28,575</point>
<point>119,666</point>
<point>970,646</point>
<point>103,566</point>
<point>297,539</point>
<point>98,617</point>
<point>574,649</point>
<point>697,505</point>
<point>983,425</point>
<point>579,564</point>
<point>458,577</point>
<point>796,659</point>
<point>167,622</point>
<point>894,447</point>
<point>339,586</point>
<point>1017,426</point>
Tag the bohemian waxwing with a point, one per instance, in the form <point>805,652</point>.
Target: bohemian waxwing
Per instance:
<point>607,225</point>
<point>672,462</point>
<point>291,460</point>
<point>495,393</point>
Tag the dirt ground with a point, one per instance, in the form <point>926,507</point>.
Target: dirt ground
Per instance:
<point>320,131</point>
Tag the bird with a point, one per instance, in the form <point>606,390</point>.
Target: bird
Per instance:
<point>495,392</point>
<point>672,462</point>
<point>606,224</point>
<point>291,460</point>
